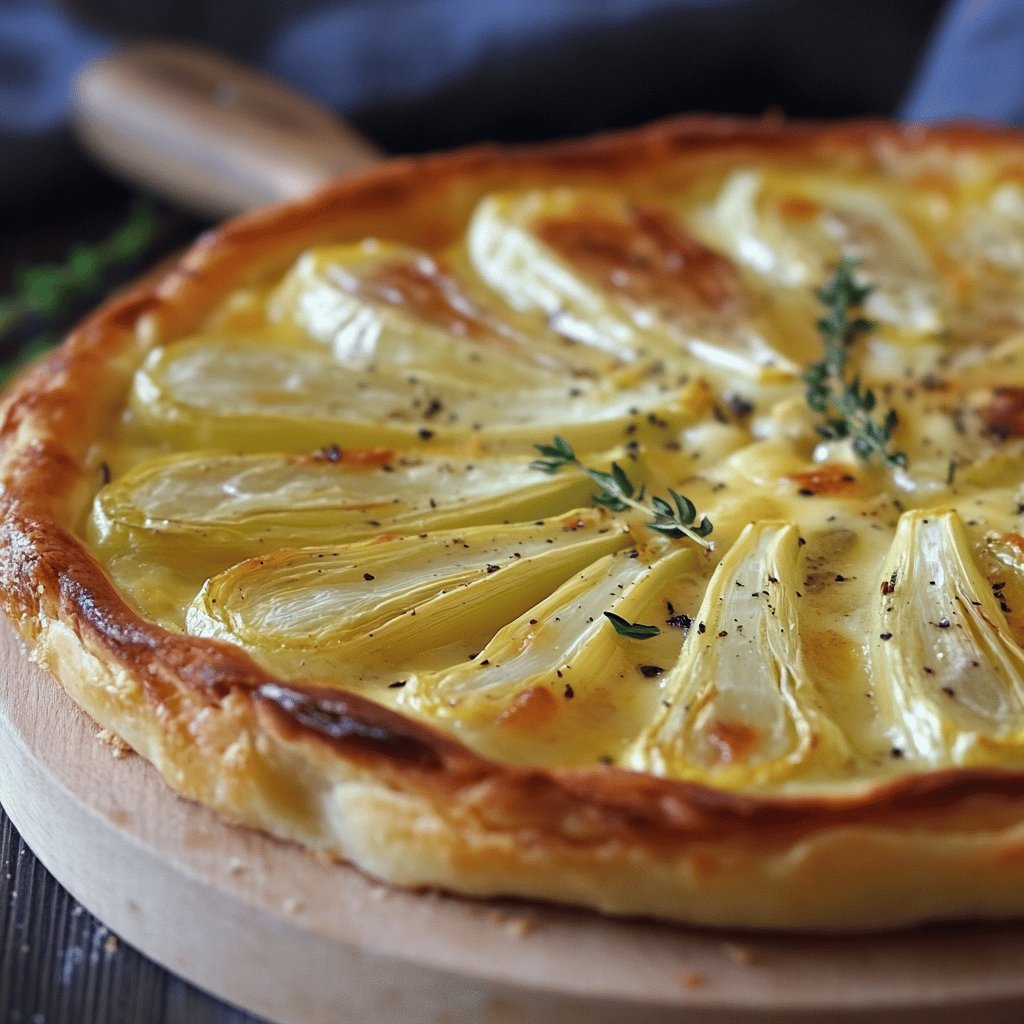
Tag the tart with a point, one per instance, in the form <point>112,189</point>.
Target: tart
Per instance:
<point>632,523</point>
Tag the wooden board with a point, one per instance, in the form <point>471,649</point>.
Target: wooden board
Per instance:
<point>261,924</point>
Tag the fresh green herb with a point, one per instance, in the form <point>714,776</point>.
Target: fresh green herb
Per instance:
<point>632,630</point>
<point>618,493</point>
<point>50,291</point>
<point>842,400</point>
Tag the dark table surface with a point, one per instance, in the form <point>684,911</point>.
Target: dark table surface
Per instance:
<point>60,965</point>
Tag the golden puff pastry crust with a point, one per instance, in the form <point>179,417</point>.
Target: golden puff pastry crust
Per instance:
<point>274,519</point>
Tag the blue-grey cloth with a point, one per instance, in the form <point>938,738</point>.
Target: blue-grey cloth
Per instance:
<point>974,66</point>
<point>419,74</point>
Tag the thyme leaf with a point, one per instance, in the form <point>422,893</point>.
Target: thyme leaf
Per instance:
<point>632,630</point>
<point>618,493</point>
<point>845,405</point>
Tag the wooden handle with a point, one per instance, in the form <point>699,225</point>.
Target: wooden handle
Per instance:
<point>207,132</point>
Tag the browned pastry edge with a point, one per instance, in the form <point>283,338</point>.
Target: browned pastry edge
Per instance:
<point>47,576</point>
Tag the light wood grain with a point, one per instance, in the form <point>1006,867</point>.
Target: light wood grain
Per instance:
<point>261,924</point>
<point>207,132</point>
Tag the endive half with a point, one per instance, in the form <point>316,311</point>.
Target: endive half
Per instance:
<point>564,640</point>
<point>351,613</point>
<point>739,706</point>
<point>949,677</point>
<point>789,229</point>
<point>218,508</point>
<point>627,280</point>
<point>378,304</point>
<point>228,393</point>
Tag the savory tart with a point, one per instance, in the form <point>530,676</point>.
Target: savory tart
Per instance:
<point>633,523</point>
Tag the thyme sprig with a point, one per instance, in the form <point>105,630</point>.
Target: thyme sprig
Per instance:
<point>618,493</point>
<point>842,400</point>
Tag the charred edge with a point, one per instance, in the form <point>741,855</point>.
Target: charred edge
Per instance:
<point>159,658</point>
<point>352,725</point>
<point>57,565</point>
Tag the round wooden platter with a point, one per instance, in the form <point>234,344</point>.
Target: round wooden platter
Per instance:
<point>261,924</point>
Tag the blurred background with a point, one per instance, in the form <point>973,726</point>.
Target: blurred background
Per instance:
<point>427,74</point>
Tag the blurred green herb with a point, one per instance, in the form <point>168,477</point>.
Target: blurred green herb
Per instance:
<point>618,493</point>
<point>49,292</point>
<point>843,401</point>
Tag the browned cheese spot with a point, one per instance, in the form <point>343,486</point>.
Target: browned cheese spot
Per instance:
<point>733,741</point>
<point>532,709</point>
<point>648,257</point>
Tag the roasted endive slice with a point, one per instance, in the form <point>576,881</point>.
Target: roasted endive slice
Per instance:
<point>365,611</point>
<point>221,393</point>
<point>622,277</point>
<point>985,253</point>
<point>564,640</point>
<point>993,228</point>
<point>790,229</point>
<point>213,509</point>
<point>739,707</point>
<point>948,676</point>
<point>386,305</point>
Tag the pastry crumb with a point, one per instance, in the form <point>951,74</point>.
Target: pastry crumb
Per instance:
<point>692,980</point>
<point>738,953</point>
<point>517,925</point>
<point>118,747</point>
<point>111,944</point>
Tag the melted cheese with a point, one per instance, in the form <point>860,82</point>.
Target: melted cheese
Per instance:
<point>336,476</point>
